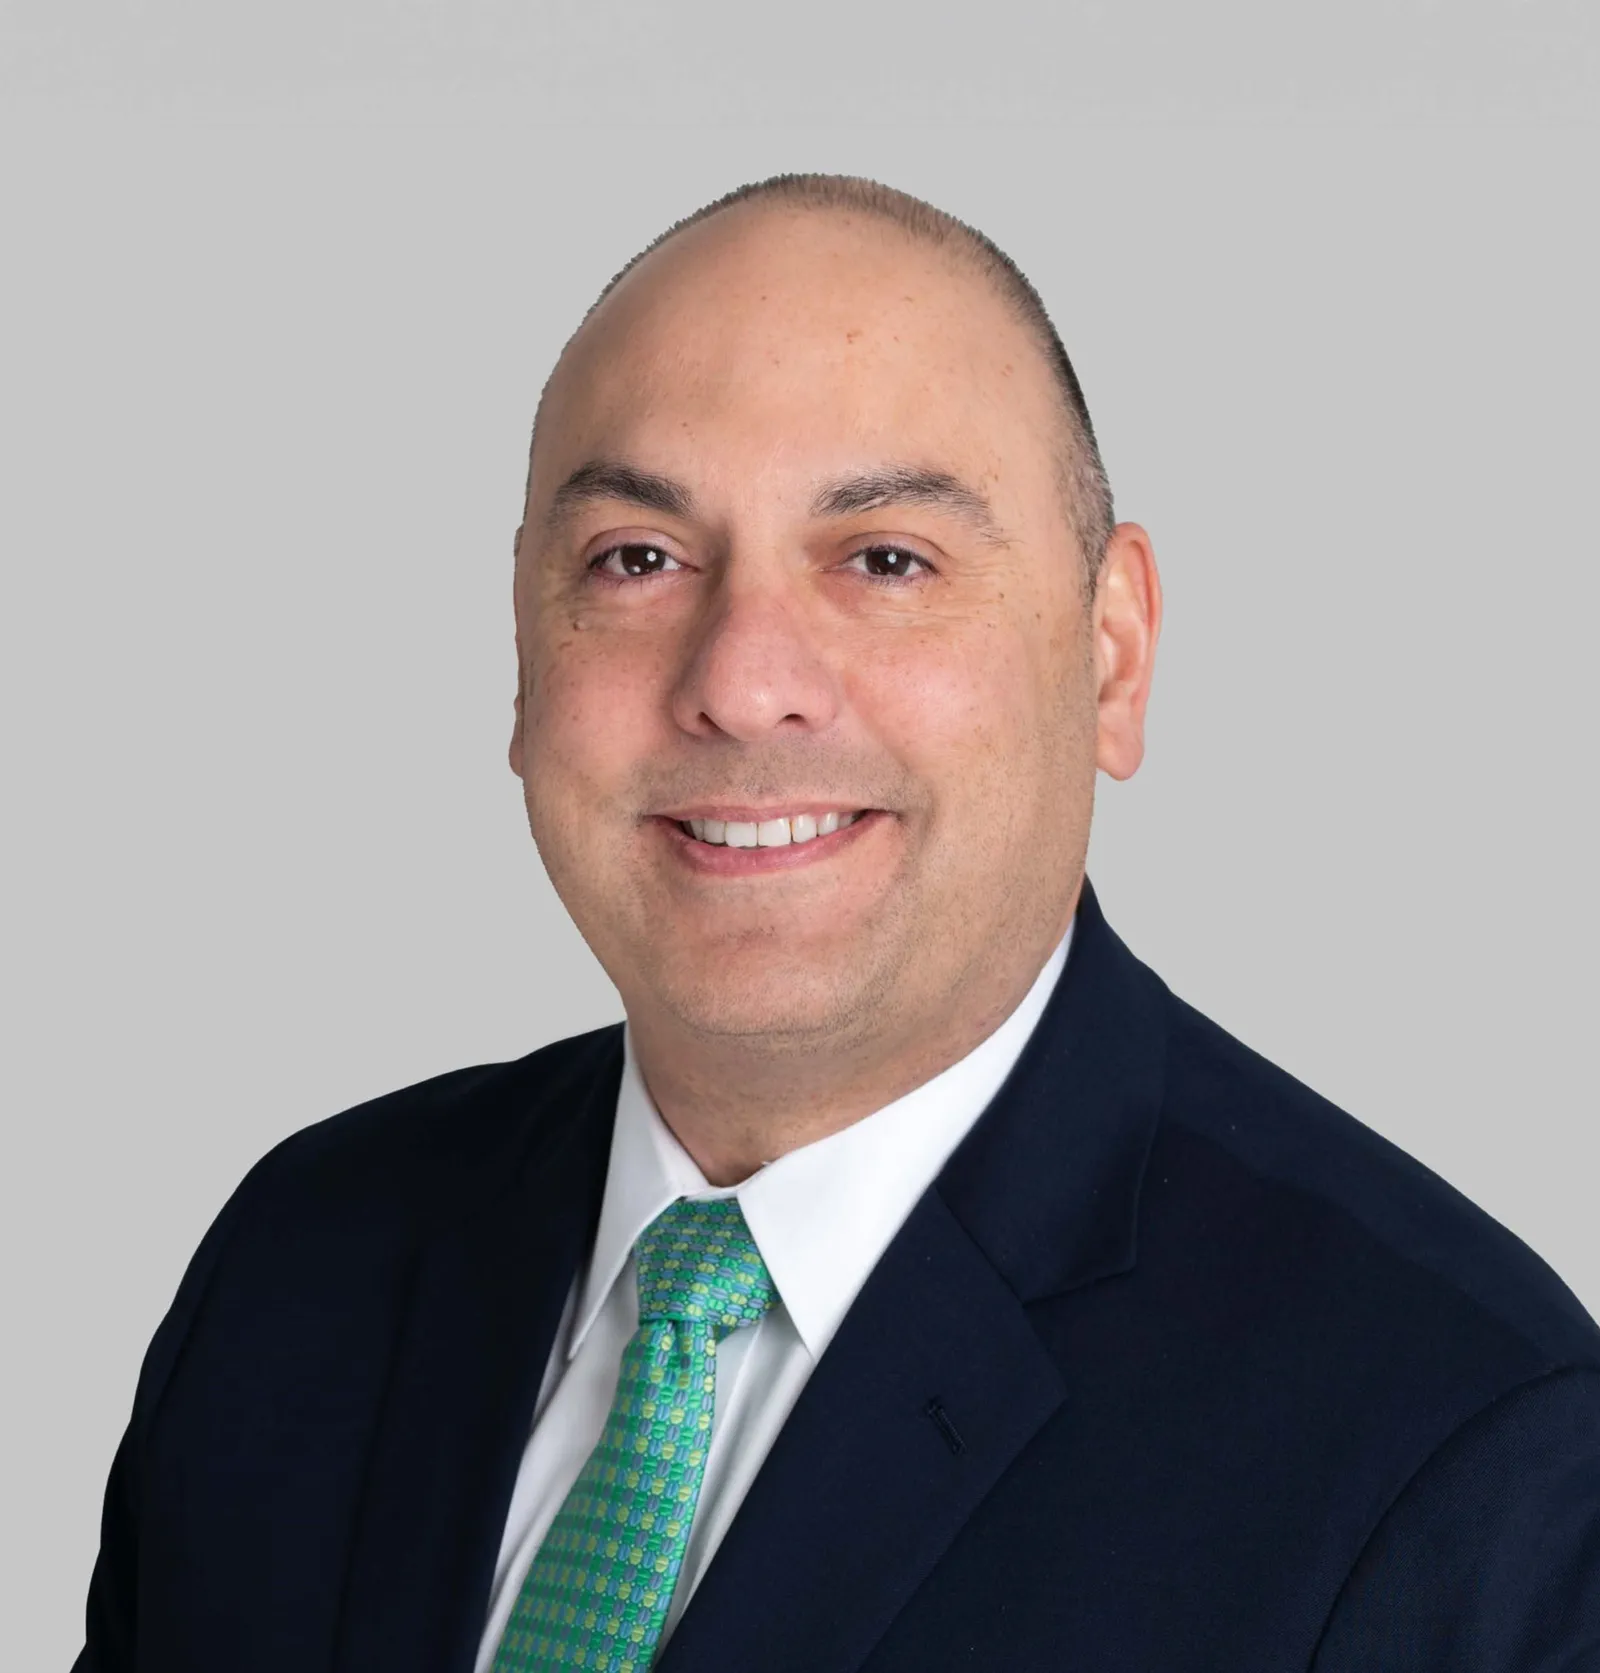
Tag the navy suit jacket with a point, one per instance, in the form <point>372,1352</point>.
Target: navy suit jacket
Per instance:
<point>1175,1367</point>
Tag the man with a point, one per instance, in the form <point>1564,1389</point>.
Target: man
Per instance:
<point>914,1282</point>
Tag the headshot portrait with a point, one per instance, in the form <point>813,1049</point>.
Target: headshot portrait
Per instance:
<point>809,1126</point>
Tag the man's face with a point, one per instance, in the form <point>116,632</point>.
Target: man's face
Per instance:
<point>795,547</point>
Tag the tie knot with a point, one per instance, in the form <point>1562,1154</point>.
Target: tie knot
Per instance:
<point>698,1262</point>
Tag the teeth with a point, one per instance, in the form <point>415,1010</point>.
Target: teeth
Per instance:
<point>770,833</point>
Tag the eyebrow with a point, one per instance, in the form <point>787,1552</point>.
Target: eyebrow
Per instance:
<point>609,479</point>
<point>843,496</point>
<point>912,485</point>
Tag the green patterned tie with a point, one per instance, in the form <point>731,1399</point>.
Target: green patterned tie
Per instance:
<point>598,1592</point>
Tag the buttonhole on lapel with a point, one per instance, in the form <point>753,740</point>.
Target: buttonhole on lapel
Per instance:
<point>935,1410</point>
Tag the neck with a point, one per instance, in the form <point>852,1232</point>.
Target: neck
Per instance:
<point>736,1103</point>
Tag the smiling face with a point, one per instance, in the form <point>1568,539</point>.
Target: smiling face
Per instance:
<point>796,550</point>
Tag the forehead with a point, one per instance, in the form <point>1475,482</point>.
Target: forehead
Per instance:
<point>796,344</point>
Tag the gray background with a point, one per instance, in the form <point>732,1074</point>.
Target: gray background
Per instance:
<point>280,285</point>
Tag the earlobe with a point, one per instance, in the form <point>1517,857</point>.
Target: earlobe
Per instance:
<point>1127,624</point>
<point>514,754</point>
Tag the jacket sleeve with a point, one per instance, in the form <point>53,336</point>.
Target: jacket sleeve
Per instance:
<point>111,1626</point>
<point>1489,1561</point>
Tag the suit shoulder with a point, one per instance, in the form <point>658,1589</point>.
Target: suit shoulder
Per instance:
<point>1490,1544</point>
<point>1308,1157</point>
<point>425,1141</point>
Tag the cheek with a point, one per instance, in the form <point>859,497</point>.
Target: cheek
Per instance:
<point>996,724</point>
<point>591,711</point>
<point>953,708</point>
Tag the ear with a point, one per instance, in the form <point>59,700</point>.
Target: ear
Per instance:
<point>1126,624</point>
<point>514,755</point>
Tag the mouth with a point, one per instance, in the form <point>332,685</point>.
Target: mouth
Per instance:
<point>715,845</point>
<point>776,832</point>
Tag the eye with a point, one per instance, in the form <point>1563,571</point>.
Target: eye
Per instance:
<point>634,561</point>
<point>889,563</point>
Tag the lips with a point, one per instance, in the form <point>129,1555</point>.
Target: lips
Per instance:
<point>776,832</point>
<point>742,858</point>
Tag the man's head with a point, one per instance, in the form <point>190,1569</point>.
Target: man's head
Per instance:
<point>810,514</point>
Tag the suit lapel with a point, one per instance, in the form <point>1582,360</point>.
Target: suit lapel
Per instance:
<point>486,1299</point>
<point>937,1380</point>
<point>933,1384</point>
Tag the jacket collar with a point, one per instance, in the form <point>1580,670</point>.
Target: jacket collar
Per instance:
<point>1047,1184</point>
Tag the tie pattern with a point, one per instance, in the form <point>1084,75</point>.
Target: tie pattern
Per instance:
<point>597,1594</point>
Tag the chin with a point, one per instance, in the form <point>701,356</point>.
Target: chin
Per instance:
<point>761,994</point>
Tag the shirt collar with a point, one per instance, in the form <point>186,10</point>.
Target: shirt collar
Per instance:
<point>821,1215</point>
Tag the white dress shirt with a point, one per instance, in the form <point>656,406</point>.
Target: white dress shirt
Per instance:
<point>821,1217</point>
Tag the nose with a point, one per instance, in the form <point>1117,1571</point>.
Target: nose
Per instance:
<point>756,666</point>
